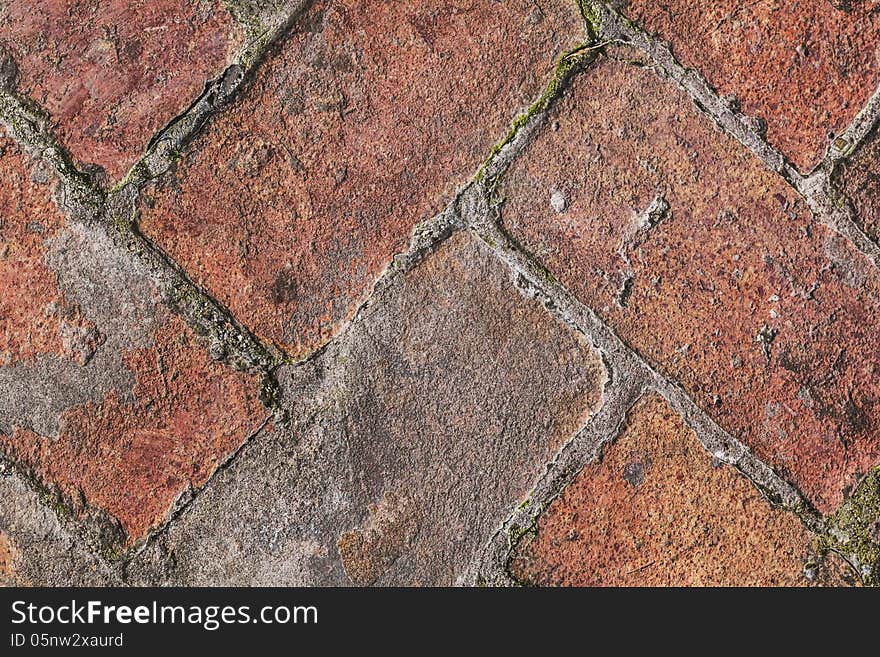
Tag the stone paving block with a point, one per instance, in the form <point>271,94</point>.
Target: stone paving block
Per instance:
<point>712,268</point>
<point>36,549</point>
<point>362,125</point>
<point>859,178</point>
<point>805,67</point>
<point>107,398</point>
<point>411,439</point>
<point>657,511</point>
<point>113,72</point>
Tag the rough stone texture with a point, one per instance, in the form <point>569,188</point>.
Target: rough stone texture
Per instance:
<point>806,67</point>
<point>36,549</point>
<point>112,72</point>
<point>7,557</point>
<point>107,397</point>
<point>712,268</point>
<point>46,323</point>
<point>362,125</point>
<point>860,180</point>
<point>657,512</point>
<point>412,437</point>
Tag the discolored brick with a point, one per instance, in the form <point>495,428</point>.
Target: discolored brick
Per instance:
<point>860,180</point>
<point>361,126</point>
<point>134,452</point>
<point>684,522</point>
<point>805,67</point>
<point>410,440</point>
<point>35,547</point>
<point>108,399</point>
<point>7,556</point>
<point>113,72</point>
<point>35,317</point>
<point>712,268</point>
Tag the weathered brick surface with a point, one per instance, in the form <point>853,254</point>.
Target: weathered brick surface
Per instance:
<point>361,126</point>
<point>35,548</point>
<point>657,512</point>
<point>415,436</point>
<point>763,314</point>
<point>112,72</point>
<point>806,67</point>
<point>859,178</point>
<point>35,318</point>
<point>7,556</point>
<point>106,395</point>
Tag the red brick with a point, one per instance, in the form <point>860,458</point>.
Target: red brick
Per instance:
<point>35,318</point>
<point>806,67</point>
<point>860,180</point>
<point>738,265</point>
<point>142,412</point>
<point>133,458</point>
<point>361,126</point>
<point>112,72</point>
<point>657,512</point>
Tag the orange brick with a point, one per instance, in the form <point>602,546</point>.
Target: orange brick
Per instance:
<point>107,397</point>
<point>806,67</point>
<point>363,125</point>
<point>35,317</point>
<point>860,180</point>
<point>113,72</point>
<point>760,311</point>
<point>657,512</point>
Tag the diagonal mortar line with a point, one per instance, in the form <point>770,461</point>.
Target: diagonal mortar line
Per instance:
<point>855,134</point>
<point>586,446</point>
<point>616,27</point>
<point>90,543</point>
<point>481,214</point>
<point>182,504</point>
<point>163,149</point>
<point>815,187</point>
<point>427,236</point>
<point>425,239</point>
<point>233,343</point>
<point>82,199</point>
<point>229,341</point>
<point>716,440</point>
<point>29,126</point>
<point>483,221</point>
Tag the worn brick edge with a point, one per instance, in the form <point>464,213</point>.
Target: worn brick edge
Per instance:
<point>817,188</point>
<point>81,196</point>
<point>83,199</point>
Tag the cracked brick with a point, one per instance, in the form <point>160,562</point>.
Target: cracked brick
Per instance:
<point>111,73</point>
<point>127,415</point>
<point>410,439</point>
<point>656,511</point>
<point>735,290</point>
<point>362,126</point>
<point>805,67</point>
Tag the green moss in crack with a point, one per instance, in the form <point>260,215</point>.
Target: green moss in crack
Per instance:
<point>591,16</point>
<point>258,35</point>
<point>27,124</point>
<point>854,530</point>
<point>545,274</point>
<point>271,396</point>
<point>570,63</point>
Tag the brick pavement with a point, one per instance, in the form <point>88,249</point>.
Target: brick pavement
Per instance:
<point>545,293</point>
